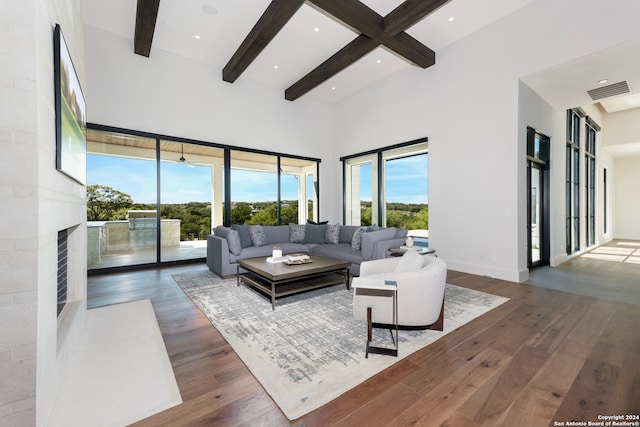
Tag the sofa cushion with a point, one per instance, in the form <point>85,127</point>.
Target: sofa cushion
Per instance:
<point>266,250</point>
<point>276,233</point>
<point>410,261</point>
<point>232,237</point>
<point>332,234</point>
<point>401,233</point>
<point>258,237</point>
<point>340,251</point>
<point>314,233</point>
<point>296,233</point>
<point>243,232</point>
<point>370,238</point>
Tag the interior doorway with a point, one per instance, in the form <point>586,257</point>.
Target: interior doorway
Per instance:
<point>538,239</point>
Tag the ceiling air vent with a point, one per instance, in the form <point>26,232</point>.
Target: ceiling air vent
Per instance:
<point>609,90</point>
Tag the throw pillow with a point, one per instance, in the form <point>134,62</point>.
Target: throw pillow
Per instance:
<point>411,260</point>
<point>332,235</point>
<point>296,233</point>
<point>356,241</point>
<point>232,238</point>
<point>245,237</point>
<point>258,237</point>
<point>314,233</point>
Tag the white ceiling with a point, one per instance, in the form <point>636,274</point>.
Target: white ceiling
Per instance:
<point>566,85</point>
<point>297,49</point>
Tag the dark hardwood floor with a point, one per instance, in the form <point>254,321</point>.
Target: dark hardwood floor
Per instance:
<point>544,356</point>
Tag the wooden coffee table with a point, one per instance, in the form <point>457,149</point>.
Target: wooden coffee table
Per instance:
<point>280,279</point>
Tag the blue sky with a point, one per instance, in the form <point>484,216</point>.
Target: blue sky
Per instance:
<point>406,181</point>
<point>181,183</point>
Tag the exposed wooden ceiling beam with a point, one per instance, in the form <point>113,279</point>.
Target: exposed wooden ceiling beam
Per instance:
<point>409,13</point>
<point>270,23</point>
<point>375,30</point>
<point>385,31</point>
<point>146,16</point>
<point>366,21</point>
<point>338,62</point>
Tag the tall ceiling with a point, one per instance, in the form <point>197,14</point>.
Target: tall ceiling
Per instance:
<point>210,31</point>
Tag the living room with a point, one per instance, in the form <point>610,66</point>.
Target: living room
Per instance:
<point>474,107</point>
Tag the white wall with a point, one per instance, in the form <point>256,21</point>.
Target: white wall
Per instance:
<point>621,143</point>
<point>38,201</point>
<point>623,129</point>
<point>467,105</point>
<point>171,95</point>
<point>627,198</point>
<point>538,114</point>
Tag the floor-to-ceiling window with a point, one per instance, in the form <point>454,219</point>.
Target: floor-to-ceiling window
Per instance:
<point>154,199</point>
<point>572,182</point>
<point>360,183</point>
<point>405,190</point>
<point>122,198</point>
<point>590,181</point>
<point>254,188</point>
<point>271,190</point>
<point>190,181</point>
<point>388,187</point>
<point>605,201</point>
<point>581,180</point>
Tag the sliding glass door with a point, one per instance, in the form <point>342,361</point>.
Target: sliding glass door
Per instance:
<point>190,176</point>
<point>155,200</point>
<point>121,200</point>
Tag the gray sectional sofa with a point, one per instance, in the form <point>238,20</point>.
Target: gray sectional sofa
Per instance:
<point>346,242</point>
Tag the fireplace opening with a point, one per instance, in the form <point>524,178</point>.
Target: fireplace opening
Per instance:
<point>62,268</point>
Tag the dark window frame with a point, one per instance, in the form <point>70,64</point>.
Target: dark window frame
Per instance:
<point>227,184</point>
<point>379,153</point>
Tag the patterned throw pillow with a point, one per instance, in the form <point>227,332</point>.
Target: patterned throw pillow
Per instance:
<point>258,237</point>
<point>332,235</point>
<point>356,241</point>
<point>296,233</point>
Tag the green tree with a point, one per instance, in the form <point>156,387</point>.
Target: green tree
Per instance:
<point>398,219</point>
<point>422,219</point>
<point>365,215</point>
<point>241,213</point>
<point>267,216</point>
<point>289,213</point>
<point>106,204</point>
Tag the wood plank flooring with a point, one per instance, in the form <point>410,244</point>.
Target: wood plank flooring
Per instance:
<point>544,356</point>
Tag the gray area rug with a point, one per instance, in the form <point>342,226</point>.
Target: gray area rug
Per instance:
<point>310,350</point>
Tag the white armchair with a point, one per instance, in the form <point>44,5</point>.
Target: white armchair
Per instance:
<point>420,283</point>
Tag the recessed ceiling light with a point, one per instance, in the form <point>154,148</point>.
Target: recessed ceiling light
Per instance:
<point>451,19</point>
<point>197,36</point>
<point>602,81</point>
<point>333,88</point>
<point>209,9</point>
<point>316,29</point>
<point>378,61</point>
<point>275,66</point>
